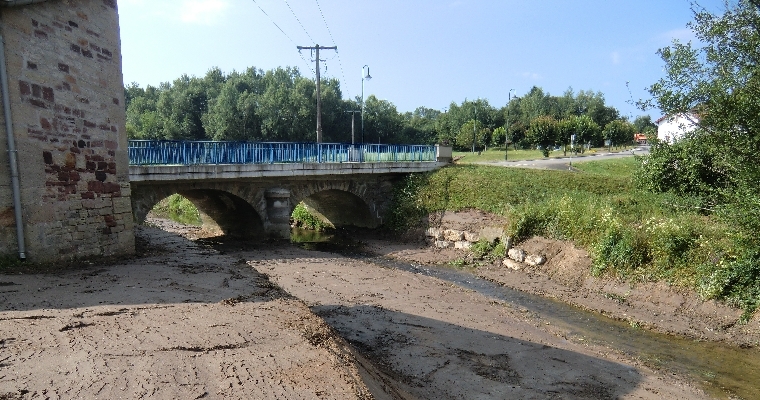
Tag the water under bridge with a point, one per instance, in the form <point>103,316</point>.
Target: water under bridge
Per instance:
<point>249,189</point>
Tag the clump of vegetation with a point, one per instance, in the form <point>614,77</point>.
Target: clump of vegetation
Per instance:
<point>302,218</point>
<point>487,250</point>
<point>178,208</point>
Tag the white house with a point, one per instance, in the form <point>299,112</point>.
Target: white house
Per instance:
<point>670,128</point>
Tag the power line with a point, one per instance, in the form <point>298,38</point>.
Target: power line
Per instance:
<point>283,32</point>
<point>299,21</point>
<point>340,63</point>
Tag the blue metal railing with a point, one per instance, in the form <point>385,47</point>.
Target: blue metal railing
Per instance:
<point>177,152</point>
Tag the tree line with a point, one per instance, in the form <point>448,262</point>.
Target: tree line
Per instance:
<point>280,105</point>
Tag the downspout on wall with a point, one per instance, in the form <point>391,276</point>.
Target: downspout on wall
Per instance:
<point>12,155</point>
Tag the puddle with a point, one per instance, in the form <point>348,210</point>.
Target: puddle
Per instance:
<point>332,242</point>
<point>723,371</point>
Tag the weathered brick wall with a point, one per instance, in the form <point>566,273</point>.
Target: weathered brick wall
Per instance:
<point>67,104</point>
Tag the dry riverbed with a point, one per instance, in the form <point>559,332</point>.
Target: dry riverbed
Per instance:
<point>273,320</point>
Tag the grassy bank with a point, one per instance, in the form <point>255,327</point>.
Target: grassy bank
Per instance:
<point>630,234</point>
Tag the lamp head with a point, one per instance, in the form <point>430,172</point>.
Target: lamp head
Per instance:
<point>366,76</point>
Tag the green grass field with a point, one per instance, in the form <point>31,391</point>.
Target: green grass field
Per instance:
<point>495,155</point>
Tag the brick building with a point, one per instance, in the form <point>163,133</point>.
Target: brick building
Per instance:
<point>66,98</point>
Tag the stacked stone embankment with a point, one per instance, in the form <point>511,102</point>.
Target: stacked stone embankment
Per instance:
<point>458,239</point>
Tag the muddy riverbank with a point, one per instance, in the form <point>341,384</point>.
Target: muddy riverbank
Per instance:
<point>273,320</point>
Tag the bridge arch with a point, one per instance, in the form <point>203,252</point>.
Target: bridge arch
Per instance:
<point>228,211</point>
<point>341,203</point>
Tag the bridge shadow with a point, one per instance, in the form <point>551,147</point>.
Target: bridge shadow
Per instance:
<point>168,269</point>
<point>431,359</point>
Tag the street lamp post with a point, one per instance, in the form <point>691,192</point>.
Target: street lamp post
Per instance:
<point>506,130</point>
<point>364,77</point>
<point>572,150</point>
<point>474,126</point>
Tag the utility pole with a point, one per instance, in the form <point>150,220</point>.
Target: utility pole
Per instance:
<point>353,112</point>
<point>317,47</point>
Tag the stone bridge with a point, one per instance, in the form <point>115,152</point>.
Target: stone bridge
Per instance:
<point>255,200</point>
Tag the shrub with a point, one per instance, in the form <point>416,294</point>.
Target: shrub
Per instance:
<point>487,250</point>
<point>736,280</point>
<point>671,241</point>
<point>619,250</point>
<point>686,168</point>
<point>302,218</point>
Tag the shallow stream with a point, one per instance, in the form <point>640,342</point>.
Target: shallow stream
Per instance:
<point>723,371</point>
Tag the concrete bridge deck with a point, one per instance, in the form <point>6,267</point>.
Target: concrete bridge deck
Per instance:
<point>153,173</point>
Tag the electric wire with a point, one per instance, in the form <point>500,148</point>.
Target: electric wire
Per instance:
<point>286,35</point>
<point>340,63</point>
<point>299,20</point>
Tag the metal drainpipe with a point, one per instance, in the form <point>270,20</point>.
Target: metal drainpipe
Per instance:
<point>12,155</point>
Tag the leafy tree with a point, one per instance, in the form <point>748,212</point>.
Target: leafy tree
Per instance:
<point>499,137</point>
<point>181,106</point>
<point>382,122</point>
<point>280,105</point>
<point>593,105</point>
<point>644,124</point>
<point>469,129</point>
<point>535,104</point>
<point>420,126</point>
<point>232,115</point>
<point>451,123</point>
<point>543,133</point>
<point>586,131</point>
<point>720,82</point>
<point>716,164</point>
<point>619,132</point>
<point>515,128</point>
<point>565,130</point>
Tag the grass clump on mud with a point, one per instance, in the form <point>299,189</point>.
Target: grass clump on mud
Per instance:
<point>629,233</point>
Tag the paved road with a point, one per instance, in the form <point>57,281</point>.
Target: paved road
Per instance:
<point>565,162</point>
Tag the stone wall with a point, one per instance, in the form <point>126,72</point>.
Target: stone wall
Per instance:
<point>67,105</point>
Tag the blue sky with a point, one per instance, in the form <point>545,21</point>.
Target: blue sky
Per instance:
<point>420,52</point>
